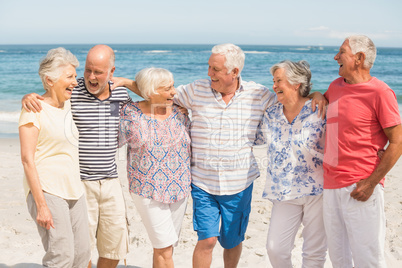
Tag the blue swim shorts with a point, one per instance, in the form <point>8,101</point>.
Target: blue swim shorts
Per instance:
<point>230,211</point>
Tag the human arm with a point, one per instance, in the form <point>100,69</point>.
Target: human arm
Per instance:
<point>318,99</point>
<point>125,82</point>
<point>28,140</point>
<point>30,102</point>
<point>364,188</point>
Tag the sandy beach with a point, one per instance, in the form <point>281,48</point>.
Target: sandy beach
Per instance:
<point>21,247</point>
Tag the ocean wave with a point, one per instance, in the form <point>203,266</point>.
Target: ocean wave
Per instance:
<point>257,52</point>
<point>157,51</point>
<point>9,116</point>
<point>2,51</point>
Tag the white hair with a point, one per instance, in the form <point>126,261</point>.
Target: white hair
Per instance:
<point>52,65</point>
<point>233,54</point>
<point>296,73</point>
<point>361,43</point>
<point>150,79</point>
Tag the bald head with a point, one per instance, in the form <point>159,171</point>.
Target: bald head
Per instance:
<point>102,52</point>
<point>99,69</point>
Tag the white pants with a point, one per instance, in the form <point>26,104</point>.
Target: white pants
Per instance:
<point>286,217</point>
<point>162,221</point>
<point>355,229</point>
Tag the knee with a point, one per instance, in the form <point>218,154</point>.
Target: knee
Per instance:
<point>165,253</point>
<point>208,243</point>
<point>278,250</point>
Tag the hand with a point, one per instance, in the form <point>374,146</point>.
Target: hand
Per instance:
<point>183,110</point>
<point>380,153</point>
<point>30,102</point>
<point>44,218</point>
<point>322,102</point>
<point>118,82</point>
<point>364,189</point>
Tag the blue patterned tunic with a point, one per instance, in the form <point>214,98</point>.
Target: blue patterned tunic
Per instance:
<point>158,154</point>
<point>295,153</point>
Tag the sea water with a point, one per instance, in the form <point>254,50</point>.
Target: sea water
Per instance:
<point>19,68</point>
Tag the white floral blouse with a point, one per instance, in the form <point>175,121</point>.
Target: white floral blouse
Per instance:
<point>295,153</point>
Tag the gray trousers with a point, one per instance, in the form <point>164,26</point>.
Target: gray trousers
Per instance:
<point>66,245</point>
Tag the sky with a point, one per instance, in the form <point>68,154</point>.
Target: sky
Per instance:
<point>259,22</point>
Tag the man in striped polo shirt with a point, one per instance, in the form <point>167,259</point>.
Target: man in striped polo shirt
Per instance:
<point>95,110</point>
<point>225,114</point>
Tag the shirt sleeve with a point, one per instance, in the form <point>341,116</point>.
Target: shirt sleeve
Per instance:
<point>29,118</point>
<point>122,137</point>
<point>185,95</point>
<point>387,109</point>
<point>260,136</point>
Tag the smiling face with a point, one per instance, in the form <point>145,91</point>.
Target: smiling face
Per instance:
<point>221,80</point>
<point>98,71</point>
<point>63,87</point>
<point>164,95</point>
<point>285,91</point>
<point>347,61</point>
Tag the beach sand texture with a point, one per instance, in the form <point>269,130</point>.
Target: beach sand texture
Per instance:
<point>20,245</point>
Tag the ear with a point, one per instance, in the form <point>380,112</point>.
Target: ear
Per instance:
<point>360,58</point>
<point>112,72</point>
<point>235,72</point>
<point>48,81</point>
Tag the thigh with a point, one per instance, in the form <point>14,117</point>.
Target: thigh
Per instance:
<point>286,217</point>
<point>57,242</point>
<point>159,220</point>
<point>335,228</point>
<point>92,195</point>
<point>206,214</point>
<point>235,210</point>
<point>112,232</point>
<point>365,222</point>
<point>80,227</point>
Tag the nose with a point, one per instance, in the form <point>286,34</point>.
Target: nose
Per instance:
<point>209,71</point>
<point>173,91</point>
<point>336,56</point>
<point>75,83</point>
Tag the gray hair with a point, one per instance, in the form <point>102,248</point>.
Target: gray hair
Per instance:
<point>361,43</point>
<point>233,54</point>
<point>150,79</point>
<point>51,66</point>
<point>296,73</point>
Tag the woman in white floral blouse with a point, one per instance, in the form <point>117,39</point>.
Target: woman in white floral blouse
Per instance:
<point>295,138</point>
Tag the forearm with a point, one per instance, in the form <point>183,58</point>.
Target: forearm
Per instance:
<point>128,83</point>
<point>388,160</point>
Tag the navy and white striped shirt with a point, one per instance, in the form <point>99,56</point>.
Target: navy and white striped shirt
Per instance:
<point>98,124</point>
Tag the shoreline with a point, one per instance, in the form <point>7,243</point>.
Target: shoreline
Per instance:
<point>22,248</point>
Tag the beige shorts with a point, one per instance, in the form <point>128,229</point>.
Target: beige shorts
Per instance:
<point>107,218</point>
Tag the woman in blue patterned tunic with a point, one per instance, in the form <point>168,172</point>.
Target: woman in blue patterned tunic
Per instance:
<point>295,138</point>
<point>158,160</point>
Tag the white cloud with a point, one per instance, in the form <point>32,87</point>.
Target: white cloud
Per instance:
<point>319,28</point>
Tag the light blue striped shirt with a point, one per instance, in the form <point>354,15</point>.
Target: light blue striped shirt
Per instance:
<point>223,134</point>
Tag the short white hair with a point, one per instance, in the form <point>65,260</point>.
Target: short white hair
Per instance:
<point>234,56</point>
<point>296,73</point>
<point>52,65</point>
<point>361,43</point>
<point>148,80</point>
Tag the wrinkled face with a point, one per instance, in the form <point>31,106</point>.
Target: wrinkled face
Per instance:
<point>97,74</point>
<point>165,95</point>
<point>63,87</point>
<point>283,89</point>
<point>221,80</point>
<point>346,60</point>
